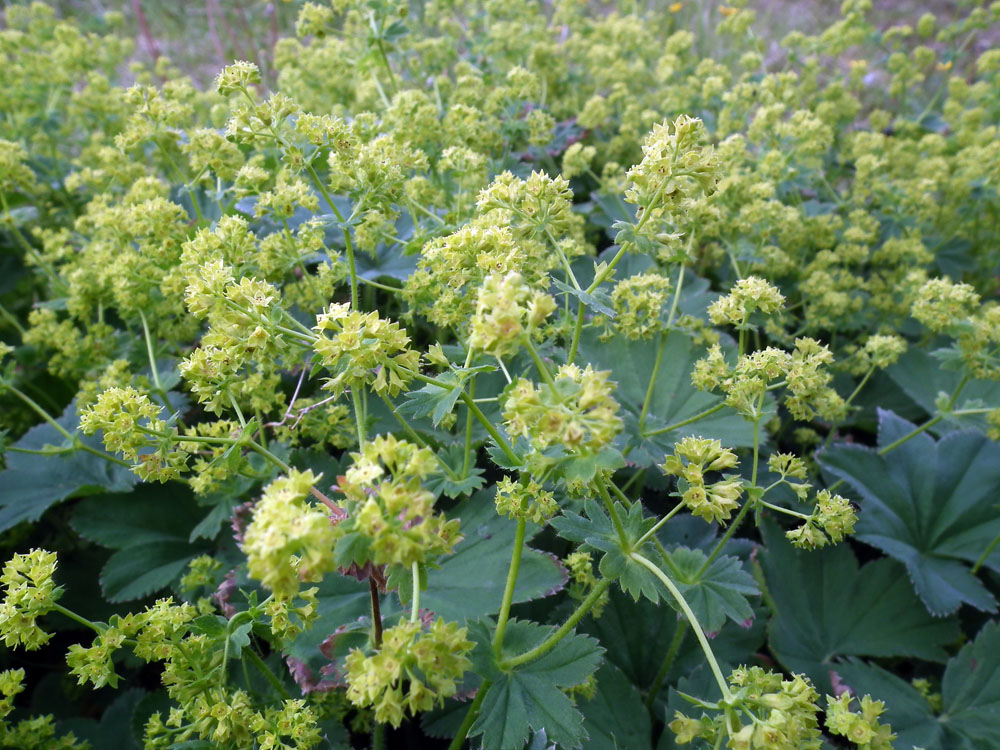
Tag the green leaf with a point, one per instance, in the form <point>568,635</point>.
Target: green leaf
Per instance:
<point>599,302</point>
<point>717,593</point>
<point>433,400</point>
<point>616,717</point>
<point>674,398</point>
<point>597,531</point>
<point>931,505</point>
<point>583,469</point>
<point>530,697</point>
<point>114,730</point>
<point>152,513</point>
<point>828,608</point>
<point>31,484</point>
<point>135,572</point>
<point>922,378</point>
<point>387,262</point>
<point>150,527</point>
<point>970,692</point>
<point>470,582</point>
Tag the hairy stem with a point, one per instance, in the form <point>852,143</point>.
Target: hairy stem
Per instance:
<point>508,591</point>
<point>270,676</point>
<point>684,423</point>
<point>470,717</point>
<point>550,643</point>
<point>695,625</point>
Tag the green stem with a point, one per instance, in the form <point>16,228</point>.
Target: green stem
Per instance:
<point>101,454</point>
<point>562,259</point>
<point>550,643</point>
<point>152,358</point>
<point>6,315</point>
<point>508,592</point>
<point>725,538</point>
<point>684,423</point>
<point>467,456</point>
<point>493,432</point>
<point>470,716</point>
<point>986,553</point>
<point>415,607</point>
<point>540,365</point>
<point>786,511</point>
<point>203,439</point>
<point>377,285</point>
<point>695,625</point>
<point>626,500</point>
<point>270,676</point>
<point>236,408</point>
<point>40,411</point>
<point>359,419</point>
<point>668,661</point>
<point>652,380</point>
<point>680,285</point>
<point>615,520</point>
<point>378,736</point>
<point>659,524</point>
<point>348,246</point>
<point>269,456</point>
<point>743,511</point>
<point>77,618</point>
<point>912,434</point>
<point>577,332</point>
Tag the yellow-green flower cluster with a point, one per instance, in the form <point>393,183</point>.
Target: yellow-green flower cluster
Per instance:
<point>576,412</point>
<point>29,593</point>
<point>674,166</point>
<point>580,567</point>
<point>525,501</point>
<point>940,304</point>
<point>783,715</point>
<point>413,670</point>
<point>863,728</point>
<point>638,302</point>
<point>93,663</point>
<point>37,733</point>
<point>289,540</point>
<point>15,175</point>
<point>786,465</point>
<point>879,351</point>
<point>746,297</point>
<point>539,205</point>
<point>390,516</point>
<point>804,374</point>
<point>132,425</point>
<point>831,521</point>
<point>362,349</point>
<point>446,283</point>
<point>506,310</point>
<point>691,459</point>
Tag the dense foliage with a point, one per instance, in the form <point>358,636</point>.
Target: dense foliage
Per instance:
<point>506,374</point>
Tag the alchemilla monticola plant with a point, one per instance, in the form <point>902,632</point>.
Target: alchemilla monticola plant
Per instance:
<point>503,374</point>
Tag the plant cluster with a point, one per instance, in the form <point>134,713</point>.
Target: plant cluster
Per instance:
<point>293,376</point>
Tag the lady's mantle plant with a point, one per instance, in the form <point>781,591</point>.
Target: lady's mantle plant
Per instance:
<point>626,284</point>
